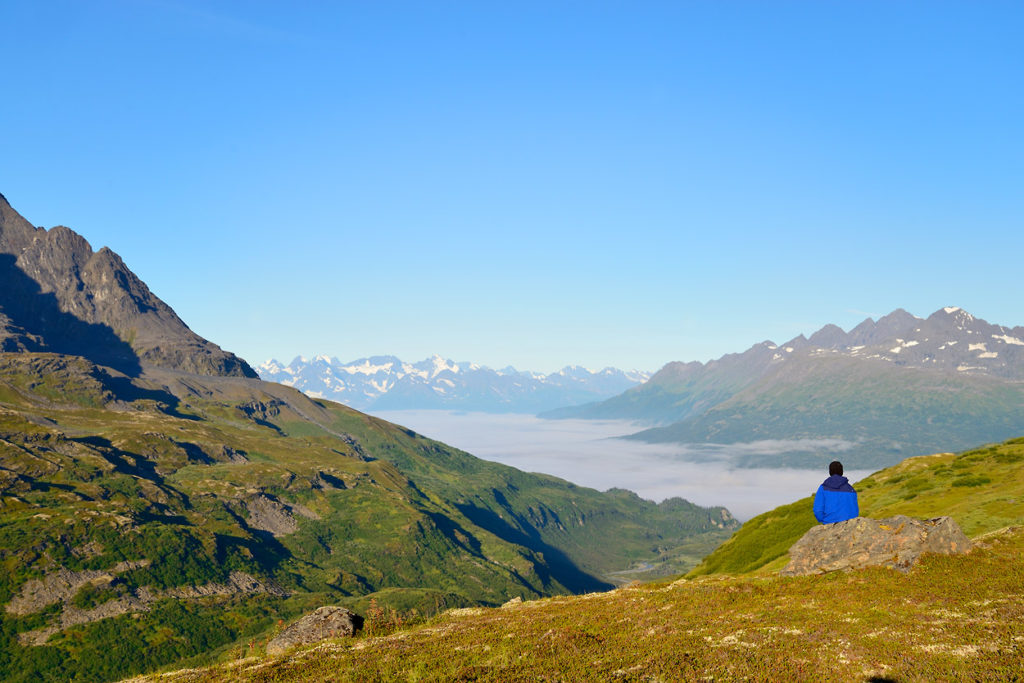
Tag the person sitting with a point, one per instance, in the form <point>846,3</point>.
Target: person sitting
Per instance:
<point>835,501</point>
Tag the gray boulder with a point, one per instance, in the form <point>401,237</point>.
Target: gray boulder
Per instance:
<point>895,542</point>
<point>325,622</point>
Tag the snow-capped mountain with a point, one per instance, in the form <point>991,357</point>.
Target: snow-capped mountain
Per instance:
<point>898,386</point>
<point>388,383</point>
<point>950,339</point>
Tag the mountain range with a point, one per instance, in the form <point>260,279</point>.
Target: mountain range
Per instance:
<point>387,383</point>
<point>885,390</point>
<point>159,503</point>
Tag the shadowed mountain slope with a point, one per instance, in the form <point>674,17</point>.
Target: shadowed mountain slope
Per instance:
<point>61,296</point>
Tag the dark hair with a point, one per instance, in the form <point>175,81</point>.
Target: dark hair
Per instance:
<point>835,467</point>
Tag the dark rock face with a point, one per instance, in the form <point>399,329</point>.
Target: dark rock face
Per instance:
<point>895,542</point>
<point>60,296</point>
<point>324,623</point>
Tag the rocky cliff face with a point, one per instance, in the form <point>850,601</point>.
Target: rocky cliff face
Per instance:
<point>59,295</point>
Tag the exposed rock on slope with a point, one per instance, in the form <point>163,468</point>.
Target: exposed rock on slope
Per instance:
<point>275,517</point>
<point>895,542</point>
<point>326,622</point>
<point>61,296</point>
<point>62,586</point>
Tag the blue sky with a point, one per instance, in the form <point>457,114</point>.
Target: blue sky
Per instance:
<point>527,183</point>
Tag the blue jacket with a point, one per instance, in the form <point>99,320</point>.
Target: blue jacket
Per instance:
<point>835,501</point>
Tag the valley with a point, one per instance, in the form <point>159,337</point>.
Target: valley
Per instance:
<point>592,453</point>
<point>159,503</point>
<point>133,508</point>
<point>951,617</point>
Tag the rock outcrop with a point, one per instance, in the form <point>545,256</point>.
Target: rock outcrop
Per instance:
<point>326,622</point>
<point>895,542</point>
<point>36,595</point>
<point>61,586</point>
<point>61,296</point>
<point>273,516</point>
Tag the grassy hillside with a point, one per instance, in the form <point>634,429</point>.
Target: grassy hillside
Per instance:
<point>982,489</point>
<point>950,618</point>
<point>163,519</point>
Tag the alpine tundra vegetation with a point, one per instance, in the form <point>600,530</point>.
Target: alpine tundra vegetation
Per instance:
<point>950,617</point>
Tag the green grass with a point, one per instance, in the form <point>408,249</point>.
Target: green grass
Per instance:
<point>981,489</point>
<point>950,618</point>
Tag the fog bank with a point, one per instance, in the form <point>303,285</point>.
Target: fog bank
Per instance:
<point>585,452</point>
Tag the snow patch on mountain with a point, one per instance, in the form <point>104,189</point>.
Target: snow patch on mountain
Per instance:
<point>388,383</point>
<point>1007,339</point>
<point>906,340</point>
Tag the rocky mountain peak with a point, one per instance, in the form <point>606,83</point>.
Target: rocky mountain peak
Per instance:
<point>16,233</point>
<point>950,340</point>
<point>870,332</point>
<point>63,297</point>
<point>828,337</point>
<point>953,315</point>
<point>797,342</point>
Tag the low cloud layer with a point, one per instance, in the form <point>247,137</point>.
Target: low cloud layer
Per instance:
<point>585,452</point>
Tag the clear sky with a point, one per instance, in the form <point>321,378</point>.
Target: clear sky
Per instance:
<point>527,183</point>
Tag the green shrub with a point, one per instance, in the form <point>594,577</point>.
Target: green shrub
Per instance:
<point>1009,456</point>
<point>90,595</point>
<point>918,484</point>
<point>979,480</point>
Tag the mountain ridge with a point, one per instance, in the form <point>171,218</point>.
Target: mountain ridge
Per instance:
<point>388,383</point>
<point>890,388</point>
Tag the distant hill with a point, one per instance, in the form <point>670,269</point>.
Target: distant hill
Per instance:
<point>388,383</point>
<point>159,505</point>
<point>885,390</point>
<point>982,489</point>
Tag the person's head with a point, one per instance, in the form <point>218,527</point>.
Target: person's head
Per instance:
<point>835,467</point>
